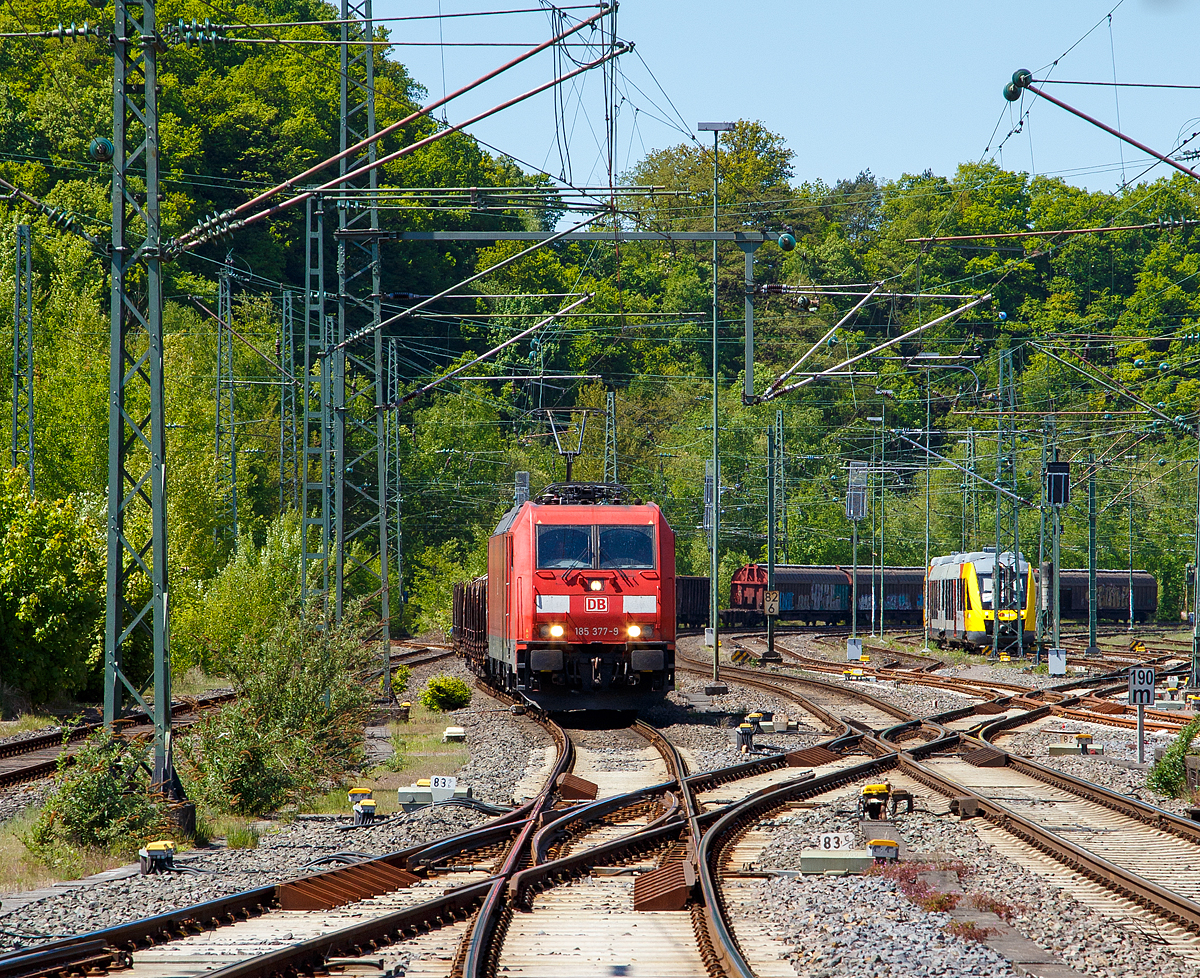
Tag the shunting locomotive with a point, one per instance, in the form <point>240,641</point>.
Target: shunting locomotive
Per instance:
<point>577,609</point>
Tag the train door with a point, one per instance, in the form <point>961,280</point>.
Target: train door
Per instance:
<point>960,617</point>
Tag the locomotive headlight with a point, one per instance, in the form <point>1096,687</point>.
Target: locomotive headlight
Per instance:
<point>633,631</point>
<point>556,631</point>
<point>596,585</point>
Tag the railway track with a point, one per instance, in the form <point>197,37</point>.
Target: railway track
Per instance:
<point>34,758</point>
<point>655,826</point>
<point>551,888</point>
<point>37,757</point>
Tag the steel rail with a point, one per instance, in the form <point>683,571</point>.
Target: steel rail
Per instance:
<point>736,818</point>
<point>492,920</point>
<point>747,676</point>
<point>125,938</point>
<point>311,956</point>
<point>131,725</point>
<point>1124,881</point>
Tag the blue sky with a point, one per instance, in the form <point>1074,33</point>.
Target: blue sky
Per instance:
<point>893,87</point>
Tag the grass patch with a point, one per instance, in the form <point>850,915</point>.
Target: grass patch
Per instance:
<point>336,803</point>
<point>27,722</point>
<point>418,751</point>
<point>196,682</point>
<point>21,870</point>
<point>241,837</point>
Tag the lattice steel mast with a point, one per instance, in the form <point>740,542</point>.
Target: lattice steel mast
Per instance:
<point>315,457</point>
<point>395,485</point>
<point>360,436</point>
<point>137,588</point>
<point>22,392</point>
<point>610,438</point>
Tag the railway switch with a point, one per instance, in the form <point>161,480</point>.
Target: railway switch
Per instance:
<point>755,721</point>
<point>745,738</point>
<point>157,857</point>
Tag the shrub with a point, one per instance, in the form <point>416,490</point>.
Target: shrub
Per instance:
<point>296,728</point>
<point>252,595</point>
<point>1167,777</point>
<point>445,693</point>
<point>51,595</point>
<point>100,802</point>
<point>401,677</point>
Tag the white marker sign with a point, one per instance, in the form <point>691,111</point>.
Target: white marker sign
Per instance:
<point>441,788</point>
<point>1141,686</point>
<point>831,841</point>
<point>771,603</point>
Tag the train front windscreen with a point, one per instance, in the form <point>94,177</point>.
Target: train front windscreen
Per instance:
<point>987,587</point>
<point>606,547</point>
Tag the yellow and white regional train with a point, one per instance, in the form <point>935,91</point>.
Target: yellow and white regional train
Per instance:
<point>960,599</point>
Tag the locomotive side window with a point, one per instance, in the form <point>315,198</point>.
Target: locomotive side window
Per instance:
<point>626,546</point>
<point>560,547</point>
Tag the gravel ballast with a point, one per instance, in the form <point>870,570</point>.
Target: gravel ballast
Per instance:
<point>282,853</point>
<point>1084,938</point>
<point>501,747</point>
<point>861,925</point>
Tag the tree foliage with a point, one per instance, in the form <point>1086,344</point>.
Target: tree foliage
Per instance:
<point>238,118</point>
<point>51,593</point>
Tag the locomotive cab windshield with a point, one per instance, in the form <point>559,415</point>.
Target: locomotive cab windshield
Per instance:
<point>595,547</point>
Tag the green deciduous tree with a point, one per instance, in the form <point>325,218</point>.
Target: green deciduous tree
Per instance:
<point>51,593</point>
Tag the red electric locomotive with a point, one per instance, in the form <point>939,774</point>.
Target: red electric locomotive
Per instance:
<point>577,610</point>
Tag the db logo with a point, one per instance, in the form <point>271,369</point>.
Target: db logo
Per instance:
<point>596,604</point>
